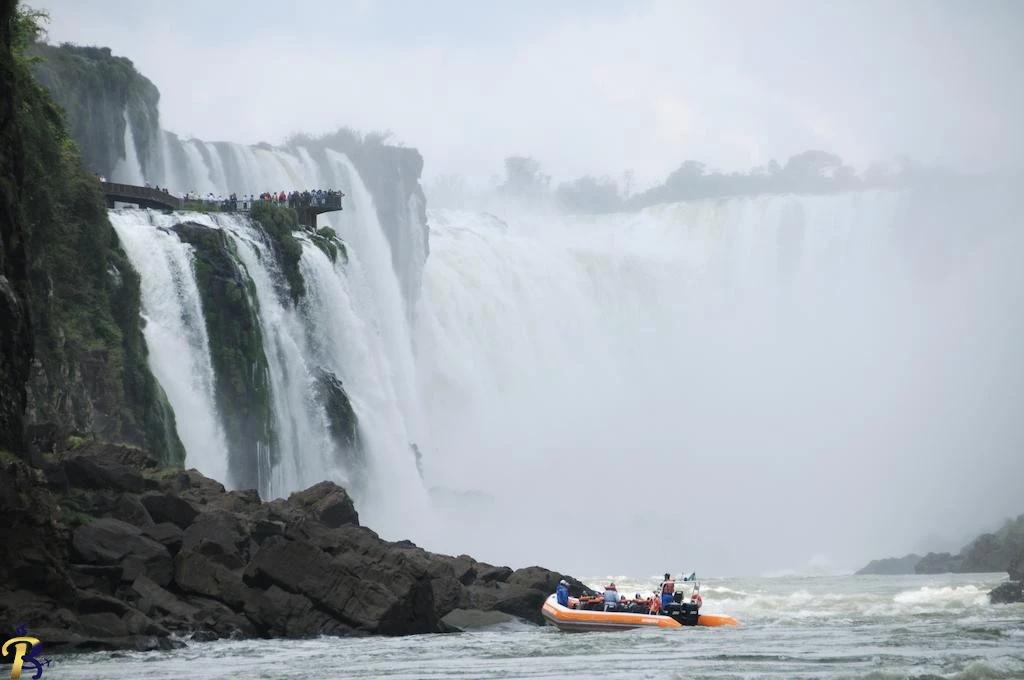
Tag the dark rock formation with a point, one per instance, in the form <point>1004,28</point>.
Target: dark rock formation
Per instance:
<point>199,559</point>
<point>891,566</point>
<point>1007,593</point>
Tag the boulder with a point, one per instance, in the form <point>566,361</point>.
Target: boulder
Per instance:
<point>110,541</point>
<point>87,472</point>
<point>1007,592</point>
<point>279,613</point>
<point>219,535</point>
<point>166,534</point>
<point>519,601</point>
<point>128,508</point>
<point>165,507</point>
<point>96,577</point>
<point>363,595</point>
<point>201,575</point>
<point>154,600</point>
<point>327,502</point>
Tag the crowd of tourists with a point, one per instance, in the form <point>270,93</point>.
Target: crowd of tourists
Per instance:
<point>611,600</point>
<point>325,198</point>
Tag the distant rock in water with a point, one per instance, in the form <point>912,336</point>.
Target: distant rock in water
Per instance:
<point>891,566</point>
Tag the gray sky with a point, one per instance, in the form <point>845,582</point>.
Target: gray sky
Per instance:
<point>585,86</point>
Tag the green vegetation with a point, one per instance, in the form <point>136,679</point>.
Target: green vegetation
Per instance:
<point>326,239</point>
<point>95,89</point>
<point>84,295</point>
<point>280,223</point>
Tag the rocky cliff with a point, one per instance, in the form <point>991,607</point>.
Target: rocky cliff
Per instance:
<point>100,94</point>
<point>88,376</point>
<point>15,335</point>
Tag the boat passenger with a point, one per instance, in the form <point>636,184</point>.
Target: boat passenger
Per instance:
<point>655,605</point>
<point>611,597</point>
<point>562,593</point>
<point>668,589</point>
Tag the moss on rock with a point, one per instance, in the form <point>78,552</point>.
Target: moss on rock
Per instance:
<point>236,350</point>
<point>280,224</point>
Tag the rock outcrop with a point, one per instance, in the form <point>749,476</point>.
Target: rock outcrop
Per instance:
<point>111,551</point>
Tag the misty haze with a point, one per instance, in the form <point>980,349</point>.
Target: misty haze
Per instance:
<point>731,291</point>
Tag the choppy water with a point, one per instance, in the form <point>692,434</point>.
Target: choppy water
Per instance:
<point>884,628</point>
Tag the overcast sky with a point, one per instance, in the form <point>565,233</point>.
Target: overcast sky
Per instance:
<point>585,86</point>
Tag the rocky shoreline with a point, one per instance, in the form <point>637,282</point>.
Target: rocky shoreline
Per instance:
<point>109,551</point>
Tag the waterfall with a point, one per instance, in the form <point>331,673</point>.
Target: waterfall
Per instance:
<point>334,333</point>
<point>175,332</point>
<point>128,169</point>
<point>658,377</point>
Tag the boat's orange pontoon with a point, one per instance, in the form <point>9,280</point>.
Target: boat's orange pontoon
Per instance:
<point>568,619</point>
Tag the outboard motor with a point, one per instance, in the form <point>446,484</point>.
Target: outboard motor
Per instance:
<point>683,612</point>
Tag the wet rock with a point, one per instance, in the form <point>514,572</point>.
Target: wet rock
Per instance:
<point>165,507</point>
<point>282,614</point>
<point>327,502</point>
<point>166,534</point>
<point>90,473</point>
<point>154,600</point>
<point>519,601</point>
<point>472,619</point>
<point>196,573</point>
<point>219,535</point>
<point>128,508</point>
<point>110,541</point>
<point>1008,592</point>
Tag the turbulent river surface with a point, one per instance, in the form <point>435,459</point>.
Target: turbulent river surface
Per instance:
<point>793,627</point>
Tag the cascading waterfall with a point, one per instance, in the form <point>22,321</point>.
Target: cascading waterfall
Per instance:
<point>648,376</point>
<point>334,333</point>
<point>175,331</point>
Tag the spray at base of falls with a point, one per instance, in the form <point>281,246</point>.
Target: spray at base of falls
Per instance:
<point>737,384</point>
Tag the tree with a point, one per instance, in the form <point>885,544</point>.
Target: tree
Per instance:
<point>523,178</point>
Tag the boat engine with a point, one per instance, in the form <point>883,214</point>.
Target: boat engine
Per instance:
<point>683,612</point>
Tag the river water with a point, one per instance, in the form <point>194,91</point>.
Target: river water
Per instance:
<point>881,627</point>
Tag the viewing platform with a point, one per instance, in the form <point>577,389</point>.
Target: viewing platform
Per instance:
<point>307,208</point>
<point>144,197</point>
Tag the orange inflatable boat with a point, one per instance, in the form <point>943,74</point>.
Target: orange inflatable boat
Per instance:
<point>568,619</point>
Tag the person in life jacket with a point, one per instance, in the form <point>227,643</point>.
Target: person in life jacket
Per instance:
<point>695,599</point>
<point>562,593</point>
<point>611,597</point>
<point>668,589</point>
<point>655,605</point>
